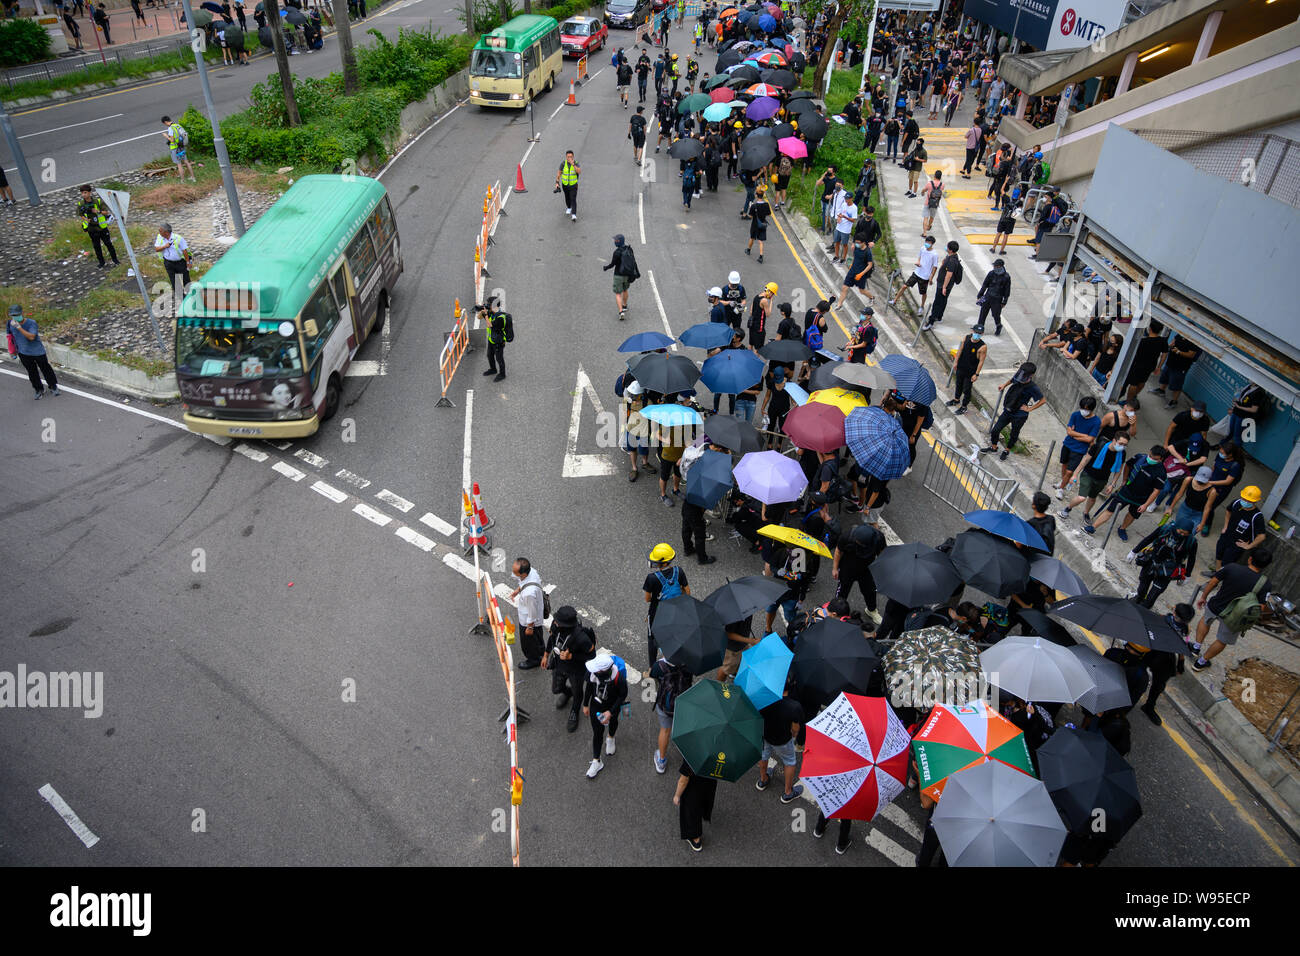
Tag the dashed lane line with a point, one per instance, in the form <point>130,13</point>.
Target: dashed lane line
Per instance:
<point>414,537</point>
<point>330,492</point>
<point>437,524</point>
<point>51,796</point>
<point>397,501</point>
<point>355,480</point>
<point>316,461</point>
<point>370,514</point>
<point>252,454</point>
<point>290,472</point>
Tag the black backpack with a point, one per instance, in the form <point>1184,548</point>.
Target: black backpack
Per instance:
<point>510,326</point>
<point>627,265</point>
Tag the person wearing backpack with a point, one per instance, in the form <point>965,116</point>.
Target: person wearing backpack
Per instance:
<point>1238,592</point>
<point>663,583</point>
<point>948,276</point>
<point>177,142</point>
<point>623,262</point>
<point>671,681</point>
<point>863,341</point>
<point>933,195</point>
<point>1166,554</point>
<point>602,699</point>
<point>568,648</point>
<point>783,170</point>
<point>532,607</point>
<point>500,330</point>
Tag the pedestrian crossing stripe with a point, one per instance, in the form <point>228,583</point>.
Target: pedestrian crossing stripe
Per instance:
<point>951,194</point>
<point>942,132</point>
<point>981,205</point>
<point>986,239</point>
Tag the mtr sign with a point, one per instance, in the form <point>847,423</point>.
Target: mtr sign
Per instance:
<point>1072,25</point>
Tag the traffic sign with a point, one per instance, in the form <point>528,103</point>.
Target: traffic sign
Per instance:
<point>117,200</point>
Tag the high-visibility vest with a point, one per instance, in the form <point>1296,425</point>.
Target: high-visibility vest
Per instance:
<point>174,136</point>
<point>568,174</point>
<point>93,208</point>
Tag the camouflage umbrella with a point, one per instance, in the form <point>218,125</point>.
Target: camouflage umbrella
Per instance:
<point>933,657</point>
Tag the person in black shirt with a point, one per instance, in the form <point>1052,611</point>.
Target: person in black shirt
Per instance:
<point>1021,397</point>
<point>966,368</point>
<point>1230,582</point>
<point>1042,522</point>
<point>776,405</point>
<point>759,211</point>
<point>1147,355</point>
<point>693,797</point>
<point>949,274</point>
<point>568,648</point>
<point>854,553</point>
<point>642,75</point>
<point>1182,353</point>
<point>636,133</point>
<point>1186,424</point>
<point>1173,549</point>
<point>1146,478</point>
<point>1243,528</point>
<point>781,722</point>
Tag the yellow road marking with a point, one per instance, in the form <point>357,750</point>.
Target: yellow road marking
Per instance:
<point>1176,737</point>
<point>986,239</point>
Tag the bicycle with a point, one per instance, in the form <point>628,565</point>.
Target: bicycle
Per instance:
<point>896,284</point>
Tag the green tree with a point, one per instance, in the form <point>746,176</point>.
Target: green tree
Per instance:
<point>849,20</point>
<point>343,32</point>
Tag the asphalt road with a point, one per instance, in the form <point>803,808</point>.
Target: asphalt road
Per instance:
<point>224,687</point>
<point>120,130</point>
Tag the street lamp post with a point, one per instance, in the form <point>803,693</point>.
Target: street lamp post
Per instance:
<point>17,150</point>
<point>218,141</point>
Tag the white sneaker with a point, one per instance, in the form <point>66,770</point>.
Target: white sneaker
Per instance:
<point>1060,494</point>
<point>609,746</point>
<point>595,768</point>
<point>575,217</point>
<point>568,212</point>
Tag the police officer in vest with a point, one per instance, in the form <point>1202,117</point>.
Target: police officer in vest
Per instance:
<point>175,253</point>
<point>496,338</point>
<point>94,219</point>
<point>567,179</point>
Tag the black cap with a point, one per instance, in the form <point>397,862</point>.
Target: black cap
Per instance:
<point>1198,406</point>
<point>618,240</point>
<point>565,616</point>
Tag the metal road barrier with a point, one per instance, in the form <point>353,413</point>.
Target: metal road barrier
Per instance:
<point>493,210</point>
<point>952,477</point>
<point>453,350</point>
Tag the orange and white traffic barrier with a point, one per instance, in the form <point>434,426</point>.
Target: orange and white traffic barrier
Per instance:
<point>581,70</point>
<point>453,350</point>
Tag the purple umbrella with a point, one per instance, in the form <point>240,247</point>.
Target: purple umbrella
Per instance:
<point>770,477</point>
<point>762,108</point>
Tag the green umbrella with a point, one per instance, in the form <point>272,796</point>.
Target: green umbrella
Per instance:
<point>713,82</point>
<point>694,103</point>
<point>201,17</point>
<point>718,730</point>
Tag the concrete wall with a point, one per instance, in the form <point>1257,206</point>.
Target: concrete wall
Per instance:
<point>1245,103</point>
<point>1063,381</point>
<point>416,116</point>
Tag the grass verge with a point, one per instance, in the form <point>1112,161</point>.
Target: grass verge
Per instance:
<point>101,74</point>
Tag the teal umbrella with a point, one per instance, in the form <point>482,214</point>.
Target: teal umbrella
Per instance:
<point>763,670</point>
<point>717,112</point>
<point>694,103</point>
<point>718,730</point>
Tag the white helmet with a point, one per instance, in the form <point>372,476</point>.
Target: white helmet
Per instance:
<point>734,278</point>
<point>715,293</point>
<point>634,388</point>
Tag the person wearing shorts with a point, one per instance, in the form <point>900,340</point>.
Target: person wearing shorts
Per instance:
<point>739,640</point>
<point>1006,224</point>
<point>172,132</point>
<point>1225,586</point>
<point>669,456</point>
<point>1100,470</point>
<point>780,721</point>
<point>859,272</point>
<point>926,263</point>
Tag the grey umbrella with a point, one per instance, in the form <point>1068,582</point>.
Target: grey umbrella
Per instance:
<point>992,815</point>
<point>294,16</point>
<point>1110,684</point>
<point>866,376</point>
<point>1053,573</point>
<point>1033,668</point>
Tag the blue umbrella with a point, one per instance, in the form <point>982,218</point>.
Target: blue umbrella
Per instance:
<point>1004,524</point>
<point>673,416</point>
<point>771,477</point>
<point>796,393</point>
<point>646,342</point>
<point>877,442</point>
<point>764,107</point>
<point>732,371</point>
<point>763,670</point>
<point>744,16</point>
<point>767,22</point>
<point>717,112</point>
<point>709,479</point>
<point>706,335</point>
<point>914,382</point>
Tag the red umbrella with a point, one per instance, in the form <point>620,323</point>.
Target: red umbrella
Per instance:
<point>769,58</point>
<point>816,427</point>
<point>723,95</point>
<point>793,147</point>
<point>764,89</point>
<point>855,760</point>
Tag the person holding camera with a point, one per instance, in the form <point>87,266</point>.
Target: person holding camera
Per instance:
<point>500,330</point>
<point>568,649</point>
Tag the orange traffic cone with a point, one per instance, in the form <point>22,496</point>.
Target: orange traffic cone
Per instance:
<point>573,96</point>
<point>483,520</point>
<point>519,178</point>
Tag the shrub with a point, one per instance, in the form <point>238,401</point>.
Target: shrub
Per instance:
<point>413,65</point>
<point>22,41</point>
<point>198,128</point>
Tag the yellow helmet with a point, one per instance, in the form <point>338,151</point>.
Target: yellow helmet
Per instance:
<point>1252,494</point>
<point>739,125</point>
<point>661,553</point>
<point>772,288</point>
<point>674,56</point>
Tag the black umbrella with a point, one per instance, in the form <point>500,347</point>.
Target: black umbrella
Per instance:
<point>664,373</point>
<point>732,433</point>
<point>782,130</point>
<point>1053,573</point>
<point>990,564</point>
<point>1042,625</point>
<point>210,5</point>
<point>1083,773</point>
<point>737,600</point>
<point>713,82</point>
<point>264,37</point>
<point>295,16</point>
<point>833,657</point>
<point>802,95</point>
<point>798,61</point>
<point>812,126</point>
<point>801,106</point>
<point>785,350</point>
<point>782,78</point>
<point>1122,619</point>
<point>690,633</point>
<point>753,136</point>
<point>686,149</point>
<point>746,72</point>
<point>914,574</point>
<point>727,58</point>
<point>757,155</point>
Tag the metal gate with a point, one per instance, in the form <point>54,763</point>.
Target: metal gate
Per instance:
<point>953,477</point>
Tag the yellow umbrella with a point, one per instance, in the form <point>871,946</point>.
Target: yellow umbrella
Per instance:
<point>842,398</point>
<point>795,537</point>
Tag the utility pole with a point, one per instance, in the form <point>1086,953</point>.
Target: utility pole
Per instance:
<point>469,17</point>
<point>16,149</point>
<point>198,44</point>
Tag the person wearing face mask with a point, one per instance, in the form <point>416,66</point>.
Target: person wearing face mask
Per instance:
<point>1166,554</point>
<point>1080,432</point>
<point>1138,494</point>
<point>993,295</point>
<point>926,263</point>
<point>1186,424</point>
<point>1243,529</point>
<point>1104,358</point>
<point>1182,354</point>
<point>1193,499</point>
<point>948,276</point>
<point>1122,420</point>
<point>1021,396</point>
<point>1098,473</point>
<point>1224,475</point>
<point>1184,458</point>
<point>967,366</point>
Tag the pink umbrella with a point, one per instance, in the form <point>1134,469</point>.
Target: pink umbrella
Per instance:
<point>723,95</point>
<point>793,147</point>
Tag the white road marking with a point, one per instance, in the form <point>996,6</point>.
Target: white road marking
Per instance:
<point>356,481</point>
<point>883,845</point>
<point>363,368</point>
<point>469,424</point>
<point>891,536</point>
<point>104,401</point>
<point>221,440</point>
<point>549,589</point>
<point>583,466</point>
<point>99,119</point>
<point>557,110</point>
<point>654,287</point>
<point>526,152</point>
<point>984,263</point>
<point>899,818</point>
<point>640,214</point>
<point>397,501</point>
<point>596,618</point>
<point>437,524</point>
<point>330,492</point>
<point>121,142</point>
<point>316,461</point>
<point>459,565</point>
<point>415,538</point>
<point>290,472</point>
<point>596,74</point>
<point>51,796</point>
<point>369,513</point>
<point>251,453</point>
<point>503,593</point>
<point>282,445</point>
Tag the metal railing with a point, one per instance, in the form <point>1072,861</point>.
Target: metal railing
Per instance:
<point>66,65</point>
<point>1283,728</point>
<point>1263,162</point>
<point>951,476</point>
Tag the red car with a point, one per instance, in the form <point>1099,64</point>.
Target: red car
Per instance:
<point>582,35</point>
